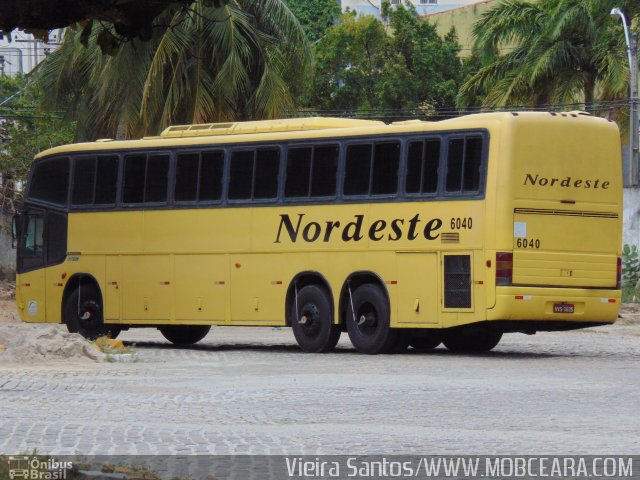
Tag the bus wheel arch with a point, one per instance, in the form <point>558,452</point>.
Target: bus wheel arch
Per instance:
<point>84,290</point>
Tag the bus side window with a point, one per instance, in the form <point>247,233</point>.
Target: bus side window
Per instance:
<point>324,171</point>
<point>385,168</point>
<point>157,177</point>
<point>265,184</point>
<point>464,164</point>
<point>211,174</point>
<point>431,166</point>
<point>241,174</point>
<point>106,180</point>
<point>134,168</point>
<point>454,165</point>
<point>423,163</point>
<point>84,178</point>
<point>186,186</point>
<point>298,172</point>
<point>472,164</point>
<point>357,173</point>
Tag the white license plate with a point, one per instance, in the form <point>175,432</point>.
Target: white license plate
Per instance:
<point>563,308</point>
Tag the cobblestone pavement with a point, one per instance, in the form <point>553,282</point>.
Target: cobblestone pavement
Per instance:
<point>249,390</point>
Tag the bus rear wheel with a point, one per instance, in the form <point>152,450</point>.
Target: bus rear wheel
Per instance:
<point>471,340</point>
<point>368,320</point>
<point>184,334</point>
<point>312,323</point>
<point>425,341</point>
<point>83,314</point>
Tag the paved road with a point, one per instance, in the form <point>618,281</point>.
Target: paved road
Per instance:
<point>248,390</point>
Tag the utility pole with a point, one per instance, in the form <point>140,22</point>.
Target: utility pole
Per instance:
<point>631,39</point>
<point>633,115</point>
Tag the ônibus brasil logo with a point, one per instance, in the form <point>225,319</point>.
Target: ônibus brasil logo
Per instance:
<point>38,468</point>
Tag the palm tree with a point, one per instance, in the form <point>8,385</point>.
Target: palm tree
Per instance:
<point>549,52</point>
<point>201,64</point>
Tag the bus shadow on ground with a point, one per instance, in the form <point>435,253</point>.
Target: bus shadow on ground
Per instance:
<point>344,350</point>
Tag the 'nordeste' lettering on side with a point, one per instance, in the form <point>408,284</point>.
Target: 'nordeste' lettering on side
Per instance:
<point>565,182</point>
<point>355,230</point>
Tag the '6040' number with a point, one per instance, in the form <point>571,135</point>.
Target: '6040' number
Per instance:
<point>461,223</point>
<point>528,243</point>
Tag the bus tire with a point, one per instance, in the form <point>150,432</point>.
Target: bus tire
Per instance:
<point>184,334</point>
<point>368,323</point>
<point>471,341</point>
<point>83,314</point>
<point>313,324</point>
<point>425,341</point>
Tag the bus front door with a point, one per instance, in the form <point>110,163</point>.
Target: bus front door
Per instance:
<point>31,262</point>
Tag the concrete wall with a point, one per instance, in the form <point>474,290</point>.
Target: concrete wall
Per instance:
<point>631,216</point>
<point>7,254</point>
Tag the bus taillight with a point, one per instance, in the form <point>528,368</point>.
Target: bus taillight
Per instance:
<point>619,273</point>
<point>504,268</point>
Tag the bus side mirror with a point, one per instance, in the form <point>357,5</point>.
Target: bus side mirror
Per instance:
<point>15,221</point>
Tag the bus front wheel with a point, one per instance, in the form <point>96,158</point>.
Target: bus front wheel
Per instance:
<point>368,321</point>
<point>83,314</point>
<point>313,324</point>
<point>184,334</point>
<point>471,340</point>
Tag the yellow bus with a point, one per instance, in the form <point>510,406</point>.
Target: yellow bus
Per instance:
<point>405,234</point>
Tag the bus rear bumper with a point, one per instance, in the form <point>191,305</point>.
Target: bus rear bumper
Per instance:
<point>548,308</point>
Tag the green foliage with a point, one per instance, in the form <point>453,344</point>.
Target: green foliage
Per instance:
<point>27,129</point>
<point>549,52</point>
<point>205,63</point>
<point>315,16</point>
<point>630,265</point>
<point>361,64</point>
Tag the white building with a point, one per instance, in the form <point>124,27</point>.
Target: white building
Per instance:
<point>24,52</point>
<point>423,7</point>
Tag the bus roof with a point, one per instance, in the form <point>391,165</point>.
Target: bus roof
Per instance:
<point>308,128</point>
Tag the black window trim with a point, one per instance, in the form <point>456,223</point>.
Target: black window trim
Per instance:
<point>339,198</point>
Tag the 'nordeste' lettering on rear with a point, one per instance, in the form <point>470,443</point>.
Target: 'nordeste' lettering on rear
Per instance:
<point>355,230</point>
<point>565,182</point>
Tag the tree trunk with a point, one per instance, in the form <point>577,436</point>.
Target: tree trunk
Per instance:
<point>589,95</point>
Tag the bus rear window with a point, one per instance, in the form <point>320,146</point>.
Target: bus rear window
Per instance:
<point>50,181</point>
